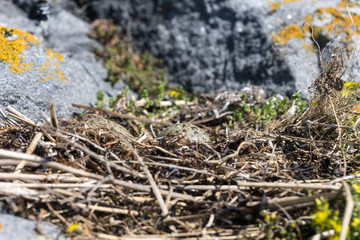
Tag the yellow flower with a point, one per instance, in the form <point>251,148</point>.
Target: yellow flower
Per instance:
<point>320,217</point>
<point>335,225</point>
<point>73,228</point>
<point>357,187</point>
<point>355,222</point>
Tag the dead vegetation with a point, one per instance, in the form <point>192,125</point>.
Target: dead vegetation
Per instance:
<point>97,179</point>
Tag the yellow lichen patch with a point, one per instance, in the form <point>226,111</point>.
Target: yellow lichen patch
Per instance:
<point>308,19</point>
<point>58,74</point>
<point>309,48</point>
<point>51,54</point>
<point>52,57</point>
<point>343,4</point>
<point>61,75</point>
<point>44,79</point>
<point>276,5</point>
<point>289,1</point>
<point>341,22</point>
<point>287,33</point>
<point>12,43</point>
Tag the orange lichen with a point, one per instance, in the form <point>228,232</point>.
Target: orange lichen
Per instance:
<point>343,4</point>
<point>340,24</point>
<point>309,48</point>
<point>44,79</point>
<point>52,57</point>
<point>287,33</point>
<point>308,19</point>
<point>51,54</point>
<point>289,1</point>
<point>276,5</point>
<point>12,43</point>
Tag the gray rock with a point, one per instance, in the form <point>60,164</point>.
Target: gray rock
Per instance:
<point>67,35</point>
<point>18,228</point>
<point>209,45</point>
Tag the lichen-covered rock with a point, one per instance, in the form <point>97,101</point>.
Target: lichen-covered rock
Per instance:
<point>183,133</point>
<point>60,67</point>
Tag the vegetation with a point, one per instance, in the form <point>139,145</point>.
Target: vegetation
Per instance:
<point>139,71</point>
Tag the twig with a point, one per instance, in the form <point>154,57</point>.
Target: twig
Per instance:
<point>181,168</point>
<point>29,150</point>
<point>53,117</point>
<point>290,218</point>
<point>120,115</point>
<point>57,214</point>
<point>340,138</point>
<point>59,166</point>
<point>253,184</point>
<point>235,154</point>
<point>15,112</point>
<point>348,211</point>
<point>345,178</point>
<point>213,118</point>
<point>148,174</point>
<point>60,185</point>
<point>17,190</point>
<point>142,102</point>
<point>22,119</point>
<point>6,119</point>
<point>97,157</point>
<point>48,177</point>
<point>107,209</point>
<point>16,155</point>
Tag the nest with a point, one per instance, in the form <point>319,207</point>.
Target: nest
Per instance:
<point>112,183</point>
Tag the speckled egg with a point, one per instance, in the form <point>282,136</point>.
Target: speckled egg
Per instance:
<point>183,133</point>
<point>97,124</point>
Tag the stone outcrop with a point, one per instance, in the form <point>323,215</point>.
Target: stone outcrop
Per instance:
<point>209,45</point>
<point>59,67</point>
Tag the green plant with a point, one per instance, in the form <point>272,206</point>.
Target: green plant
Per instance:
<point>328,216</point>
<point>139,71</point>
<point>276,228</point>
<point>100,99</point>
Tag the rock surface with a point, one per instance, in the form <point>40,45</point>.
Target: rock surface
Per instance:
<point>76,79</point>
<point>18,228</point>
<point>209,45</point>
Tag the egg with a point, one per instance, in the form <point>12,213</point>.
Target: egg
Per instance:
<point>183,133</point>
